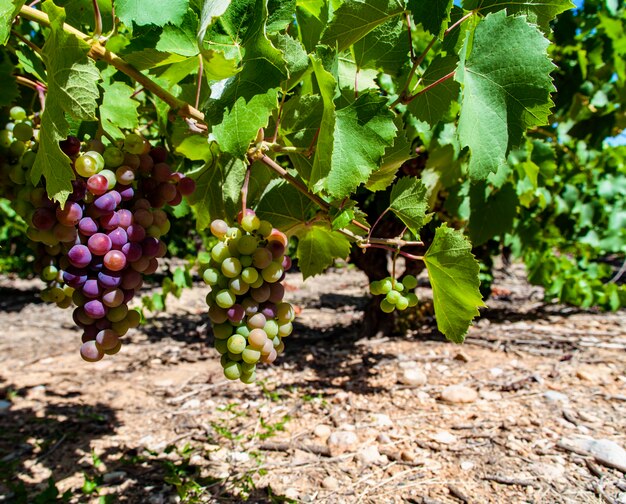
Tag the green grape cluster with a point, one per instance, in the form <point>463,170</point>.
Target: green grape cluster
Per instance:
<point>399,295</point>
<point>246,308</point>
<point>18,147</point>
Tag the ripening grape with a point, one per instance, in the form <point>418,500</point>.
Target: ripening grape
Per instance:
<point>246,305</point>
<point>399,295</point>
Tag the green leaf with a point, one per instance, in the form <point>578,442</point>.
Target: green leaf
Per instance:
<point>243,104</point>
<point>284,206</point>
<point>31,63</point>
<point>395,156</point>
<point>506,89</point>
<point>118,109</point>
<point>322,160</point>
<point>384,48</point>
<point>189,144</point>
<point>8,11</point>
<point>312,17</point>
<point>363,130</point>
<point>211,10</point>
<point>157,12</point>
<point>540,12</point>
<point>453,274</point>
<point>356,18</point>
<point>180,39</point>
<point>8,86</point>
<point>409,201</point>
<point>73,89</point>
<point>432,105</point>
<point>218,186</point>
<point>433,15</point>
<point>491,215</point>
<point>317,249</point>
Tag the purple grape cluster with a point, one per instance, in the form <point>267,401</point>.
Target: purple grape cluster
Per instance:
<point>107,236</point>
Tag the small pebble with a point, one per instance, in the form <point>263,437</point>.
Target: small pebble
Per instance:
<point>330,483</point>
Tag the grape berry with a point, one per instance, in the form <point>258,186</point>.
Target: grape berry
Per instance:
<point>246,307</point>
<point>399,295</point>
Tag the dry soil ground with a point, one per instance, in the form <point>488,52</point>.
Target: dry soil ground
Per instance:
<point>340,419</point>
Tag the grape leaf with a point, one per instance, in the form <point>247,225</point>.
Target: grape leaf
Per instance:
<point>491,215</point>
<point>540,12</point>
<point>453,274</point>
<point>432,105</point>
<point>384,48</point>
<point>356,18</point>
<point>8,86</point>
<point>189,144</point>
<point>180,39</point>
<point>118,109</point>
<point>8,11</point>
<point>363,131</point>
<point>409,201</point>
<point>322,160</point>
<point>284,206</point>
<point>312,17</point>
<point>211,10</point>
<point>158,12</point>
<point>434,15</point>
<point>218,186</point>
<point>241,105</point>
<point>73,89</point>
<point>317,249</point>
<point>394,157</point>
<point>506,89</point>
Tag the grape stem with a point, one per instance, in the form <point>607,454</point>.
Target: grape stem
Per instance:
<point>410,98</point>
<point>29,43</point>
<point>99,52</point>
<point>391,249</point>
<point>97,20</point>
<point>244,192</point>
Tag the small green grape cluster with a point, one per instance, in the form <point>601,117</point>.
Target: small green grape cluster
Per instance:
<point>399,295</point>
<point>246,308</point>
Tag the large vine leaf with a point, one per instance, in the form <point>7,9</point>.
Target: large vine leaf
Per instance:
<point>433,104</point>
<point>434,15</point>
<point>211,10</point>
<point>356,18</point>
<point>284,206</point>
<point>385,47</point>
<point>73,89</point>
<point>506,88</point>
<point>317,249</point>
<point>540,12</point>
<point>409,201</point>
<point>453,274</point>
<point>312,17</point>
<point>395,156</point>
<point>8,11</point>
<point>242,104</point>
<point>118,109</point>
<point>324,148</point>
<point>156,12</point>
<point>363,130</point>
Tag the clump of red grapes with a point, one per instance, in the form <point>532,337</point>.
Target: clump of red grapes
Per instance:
<point>246,307</point>
<point>108,235</point>
<point>399,295</point>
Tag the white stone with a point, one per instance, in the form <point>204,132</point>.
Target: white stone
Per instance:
<point>605,451</point>
<point>191,404</point>
<point>466,465</point>
<point>238,457</point>
<point>414,377</point>
<point>459,394</point>
<point>496,371</point>
<point>444,437</point>
<point>381,420</point>
<point>342,441</point>
<point>369,455</point>
<point>554,396</point>
<point>330,483</point>
<point>322,431</point>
